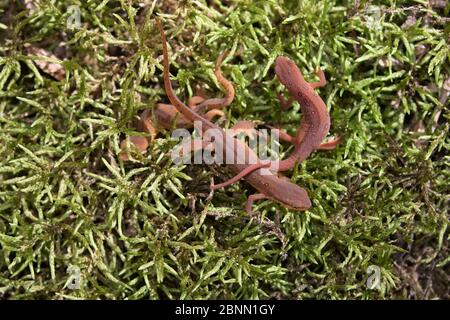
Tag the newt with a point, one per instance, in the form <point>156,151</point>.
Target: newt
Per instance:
<point>166,115</point>
<point>246,163</point>
<point>315,123</point>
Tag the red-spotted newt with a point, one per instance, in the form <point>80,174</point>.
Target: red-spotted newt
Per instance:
<point>316,119</point>
<point>167,116</point>
<point>246,163</point>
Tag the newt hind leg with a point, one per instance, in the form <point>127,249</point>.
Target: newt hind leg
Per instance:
<point>282,134</point>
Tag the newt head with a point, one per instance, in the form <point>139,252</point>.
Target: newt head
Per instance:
<point>288,73</point>
<point>295,197</point>
<point>282,190</point>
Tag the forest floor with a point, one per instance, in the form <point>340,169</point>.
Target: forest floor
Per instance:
<point>78,222</point>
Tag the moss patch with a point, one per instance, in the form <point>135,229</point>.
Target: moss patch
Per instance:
<point>150,229</point>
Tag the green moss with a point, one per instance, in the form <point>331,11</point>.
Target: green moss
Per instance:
<point>151,229</point>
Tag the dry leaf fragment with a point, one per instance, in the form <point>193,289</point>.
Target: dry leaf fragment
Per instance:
<point>56,70</point>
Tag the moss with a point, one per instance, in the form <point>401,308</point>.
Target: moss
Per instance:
<point>151,229</point>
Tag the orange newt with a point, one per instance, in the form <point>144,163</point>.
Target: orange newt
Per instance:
<point>270,184</point>
<point>166,114</point>
<point>316,119</point>
<point>246,163</point>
